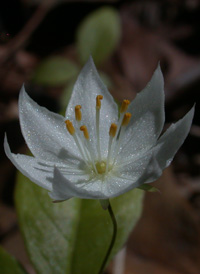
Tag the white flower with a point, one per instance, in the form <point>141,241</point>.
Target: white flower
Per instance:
<point>108,156</point>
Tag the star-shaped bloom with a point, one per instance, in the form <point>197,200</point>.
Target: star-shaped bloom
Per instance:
<point>94,152</point>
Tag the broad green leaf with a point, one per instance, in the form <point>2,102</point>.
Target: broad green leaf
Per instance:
<point>148,188</point>
<point>48,228</point>
<point>54,71</point>
<point>8,264</point>
<point>95,230</point>
<point>71,237</point>
<point>98,35</point>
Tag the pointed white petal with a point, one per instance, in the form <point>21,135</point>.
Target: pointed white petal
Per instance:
<point>30,167</point>
<point>172,139</point>
<point>86,88</point>
<point>59,194</point>
<point>147,116</point>
<point>44,131</point>
<point>63,188</point>
<point>152,173</point>
<point>167,146</point>
<point>128,174</point>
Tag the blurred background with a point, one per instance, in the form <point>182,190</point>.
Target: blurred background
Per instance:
<point>45,44</point>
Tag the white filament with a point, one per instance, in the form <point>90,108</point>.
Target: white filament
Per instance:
<point>97,132</point>
<point>109,153</point>
<point>80,148</point>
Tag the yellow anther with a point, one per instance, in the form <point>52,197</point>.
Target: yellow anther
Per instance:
<point>78,113</point>
<point>124,106</point>
<point>113,130</point>
<point>85,132</point>
<point>70,127</point>
<point>98,101</point>
<point>126,119</point>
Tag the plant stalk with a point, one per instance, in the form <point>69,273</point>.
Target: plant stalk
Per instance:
<point>114,222</point>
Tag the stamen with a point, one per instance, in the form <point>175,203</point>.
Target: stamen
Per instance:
<point>86,135</point>
<point>112,133</point>
<point>124,106</point>
<point>122,119</point>
<point>126,119</point>
<point>85,132</point>
<point>116,134</point>
<point>113,130</point>
<point>98,107</point>
<point>78,114</point>
<point>83,141</point>
<point>98,101</point>
<point>70,127</point>
<point>71,130</point>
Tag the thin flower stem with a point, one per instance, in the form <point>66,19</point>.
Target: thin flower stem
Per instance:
<point>114,222</point>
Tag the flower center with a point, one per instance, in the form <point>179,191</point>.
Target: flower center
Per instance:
<point>116,133</point>
<point>101,167</point>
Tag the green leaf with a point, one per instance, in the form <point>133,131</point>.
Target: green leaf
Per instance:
<point>95,230</point>
<point>54,71</point>
<point>148,188</point>
<point>8,264</point>
<point>71,237</point>
<point>48,228</point>
<point>98,35</point>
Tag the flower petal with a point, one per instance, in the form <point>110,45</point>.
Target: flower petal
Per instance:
<point>172,139</point>
<point>114,184</point>
<point>64,189</point>
<point>58,193</point>
<point>128,175</point>
<point>30,167</point>
<point>152,172</point>
<point>44,131</point>
<point>167,146</point>
<point>147,116</point>
<point>87,87</point>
